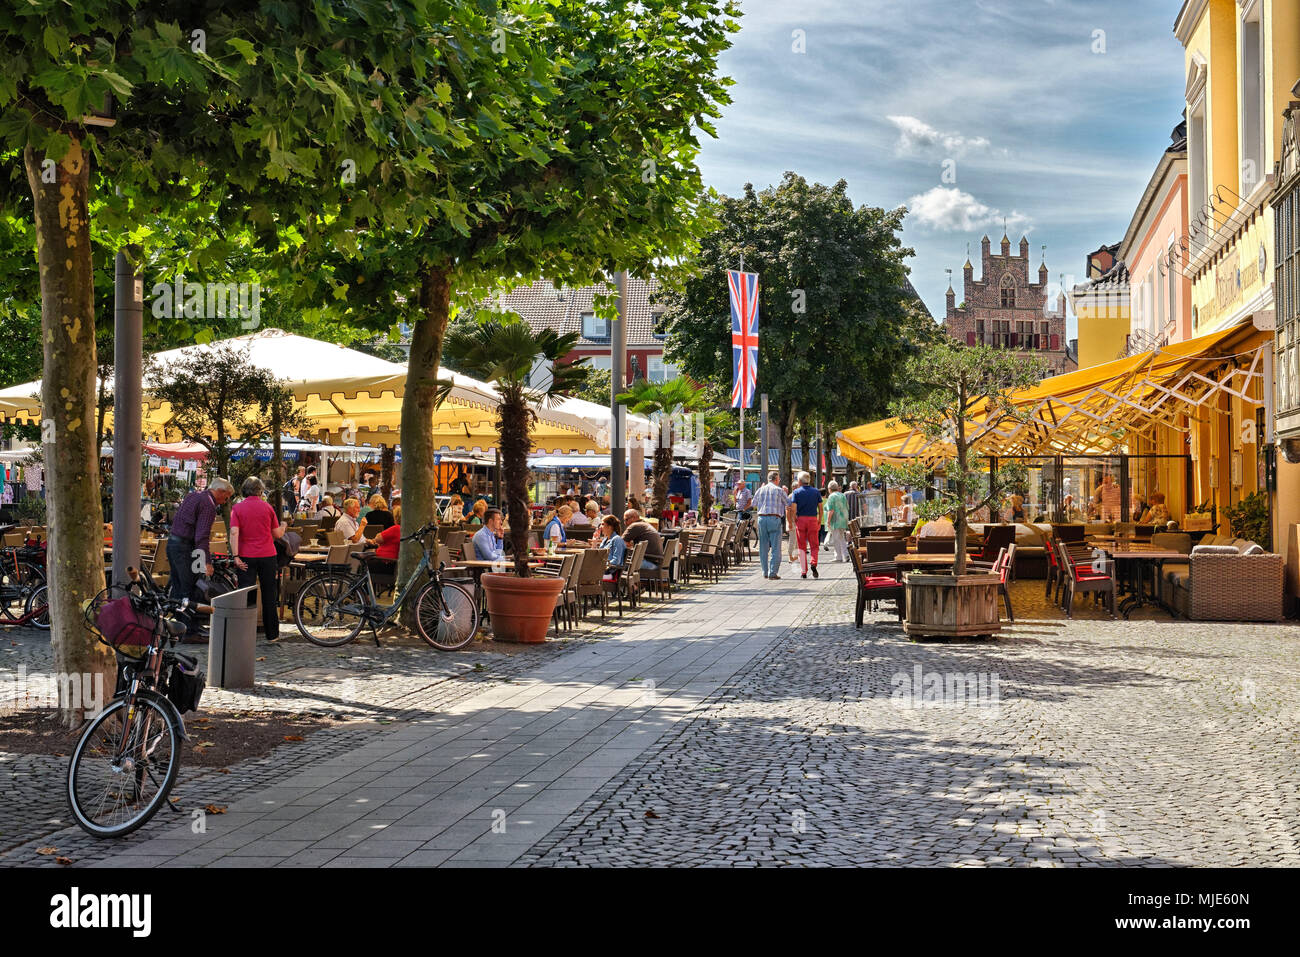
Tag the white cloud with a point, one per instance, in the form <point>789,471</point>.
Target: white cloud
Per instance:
<point>948,209</point>
<point>917,136</point>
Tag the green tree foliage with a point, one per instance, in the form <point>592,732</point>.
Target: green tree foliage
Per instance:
<point>835,317</point>
<point>956,394</point>
<point>595,386</point>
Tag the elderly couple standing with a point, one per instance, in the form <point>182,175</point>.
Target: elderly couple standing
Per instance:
<point>802,509</point>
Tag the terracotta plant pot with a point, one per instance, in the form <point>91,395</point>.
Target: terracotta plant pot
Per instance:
<point>951,607</point>
<point>521,608</point>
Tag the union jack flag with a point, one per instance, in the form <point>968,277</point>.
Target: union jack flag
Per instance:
<point>743,287</point>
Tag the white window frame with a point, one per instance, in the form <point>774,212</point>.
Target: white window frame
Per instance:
<point>601,362</point>
<point>658,370</point>
<point>592,323</point>
<point>1250,106</point>
<point>1199,227</point>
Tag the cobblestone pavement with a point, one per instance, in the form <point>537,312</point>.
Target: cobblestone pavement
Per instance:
<point>1148,742</point>
<point>750,724</point>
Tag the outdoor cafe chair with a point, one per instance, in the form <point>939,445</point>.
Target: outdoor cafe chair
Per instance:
<point>877,581</point>
<point>932,545</point>
<point>629,577</point>
<point>1001,567</point>
<point>996,538</point>
<point>659,578</point>
<point>562,568</point>
<point>883,550</point>
<point>1084,575</point>
<point>590,584</point>
<point>455,542</point>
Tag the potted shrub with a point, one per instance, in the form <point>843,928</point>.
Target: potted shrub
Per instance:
<point>955,394</point>
<point>501,348</point>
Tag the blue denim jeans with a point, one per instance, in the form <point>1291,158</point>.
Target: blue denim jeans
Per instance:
<point>769,541</point>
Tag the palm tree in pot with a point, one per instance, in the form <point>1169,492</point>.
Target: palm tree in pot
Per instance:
<point>504,350</point>
<point>666,402</point>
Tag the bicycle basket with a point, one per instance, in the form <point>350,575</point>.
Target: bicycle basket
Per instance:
<point>114,620</point>
<point>185,688</point>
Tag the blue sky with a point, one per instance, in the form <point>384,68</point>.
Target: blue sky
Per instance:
<point>1049,123</point>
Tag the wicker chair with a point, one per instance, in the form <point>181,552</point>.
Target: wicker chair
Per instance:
<point>1228,587</point>
<point>1001,566</point>
<point>590,585</point>
<point>629,579</point>
<point>659,578</point>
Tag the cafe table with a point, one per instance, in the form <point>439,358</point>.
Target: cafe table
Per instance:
<point>1137,561</point>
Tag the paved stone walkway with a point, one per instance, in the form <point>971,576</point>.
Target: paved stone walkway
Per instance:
<point>750,724</point>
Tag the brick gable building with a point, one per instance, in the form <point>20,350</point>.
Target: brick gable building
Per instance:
<point>1006,310</point>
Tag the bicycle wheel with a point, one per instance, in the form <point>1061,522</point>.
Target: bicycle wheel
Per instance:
<point>328,610</point>
<point>37,600</point>
<point>17,583</point>
<point>120,775</point>
<point>447,621</point>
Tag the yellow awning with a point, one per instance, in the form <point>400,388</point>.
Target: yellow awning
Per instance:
<point>1093,410</point>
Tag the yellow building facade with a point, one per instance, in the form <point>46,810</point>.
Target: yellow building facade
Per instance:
<point>1242,58</point>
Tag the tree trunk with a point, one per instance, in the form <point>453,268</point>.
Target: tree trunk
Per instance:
<point>706,484</point>
<point>805,447</point>
<point>663,471</point>
<point>820,441</point>
<point>787,440</point>
<point>387,456</point>
<point>75,558</point>
<point>515,444</point>
<point>418,405</point>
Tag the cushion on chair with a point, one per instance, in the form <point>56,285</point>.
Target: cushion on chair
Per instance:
<point>1215,550</point>
<point>1251,548</point>
<point>879,581</point>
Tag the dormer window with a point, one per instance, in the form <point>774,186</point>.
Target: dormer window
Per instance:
<point>594,327</point>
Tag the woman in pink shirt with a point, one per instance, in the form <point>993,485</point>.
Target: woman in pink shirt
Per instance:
<point>254,527</point>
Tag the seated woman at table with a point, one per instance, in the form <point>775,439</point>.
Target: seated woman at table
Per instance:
<point>554,529</point>
<point>476,515</point>
<point>379,517</point>
<point>455,510</point>
<point>611,538</point>
<point>489,546</point>
<point>1158,513</point>
<point>254,527</point>
<point>387,544</point>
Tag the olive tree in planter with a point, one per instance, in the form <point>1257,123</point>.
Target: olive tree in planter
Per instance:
<point>501,348</point>
<point>955,393</point>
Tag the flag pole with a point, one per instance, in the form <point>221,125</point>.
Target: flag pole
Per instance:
<point>742,402</point>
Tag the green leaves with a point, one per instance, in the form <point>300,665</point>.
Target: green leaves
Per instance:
<point>244,48</point>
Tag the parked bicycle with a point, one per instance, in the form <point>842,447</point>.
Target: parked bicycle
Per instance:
<point>24,596</point>
<point>126,761</point>
<point>332,608</point>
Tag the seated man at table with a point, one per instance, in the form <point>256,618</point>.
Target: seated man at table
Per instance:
<point>637,530</point>
<point>489,546</point>
<point>941,527</point>
<point>350,523</point>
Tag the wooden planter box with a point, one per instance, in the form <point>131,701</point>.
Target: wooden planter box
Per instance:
<point>948,606</point>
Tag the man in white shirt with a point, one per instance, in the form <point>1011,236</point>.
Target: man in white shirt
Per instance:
<point>349,524</point>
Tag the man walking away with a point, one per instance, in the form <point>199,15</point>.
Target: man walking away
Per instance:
<point>190,539</point>
<point>808,522</point>
<point>771,504</point>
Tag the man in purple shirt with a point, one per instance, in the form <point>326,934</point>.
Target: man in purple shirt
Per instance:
<point>190,535</point>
